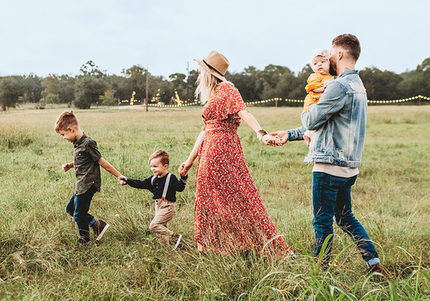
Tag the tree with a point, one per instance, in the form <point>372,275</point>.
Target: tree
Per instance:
<point>249,83</point>
<point>51,88</point>
<point>87,91</point>
<point>67,88</point>
<point>120,85</point>
<point>417,81</point>
<point>10,90</point>
<point>278,81</point>
<point>299,91</point>
<point>380,84</point>
<point>89,86</point>
<point>91,69</point>
<point>108,98</point>
<point>191,84</point>
<point>31,88</point>
<point>136,77</point>
<point>178,82</point>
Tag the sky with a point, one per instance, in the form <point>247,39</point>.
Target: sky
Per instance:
<point>56,37</point>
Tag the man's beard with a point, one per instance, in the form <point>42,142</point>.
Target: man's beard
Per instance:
<point>332,69</point>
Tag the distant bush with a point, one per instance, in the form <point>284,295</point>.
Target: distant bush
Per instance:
<point>12,137</point>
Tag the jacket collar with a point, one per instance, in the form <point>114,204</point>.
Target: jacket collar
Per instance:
<point>348,72</point>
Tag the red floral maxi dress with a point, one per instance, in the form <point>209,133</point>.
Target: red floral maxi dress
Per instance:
<point>229,214</point>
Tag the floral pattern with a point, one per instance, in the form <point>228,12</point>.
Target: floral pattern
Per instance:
<point>229,214</point>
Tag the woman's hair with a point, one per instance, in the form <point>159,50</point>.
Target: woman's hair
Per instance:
<point>206,84</point>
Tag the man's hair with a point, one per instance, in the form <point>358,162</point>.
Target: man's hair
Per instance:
<point>350,43</point>
<point>65,121</point>
<point>163,155</point>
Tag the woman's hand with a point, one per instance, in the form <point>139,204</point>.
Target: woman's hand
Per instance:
<point>185,167</point>
<point>271,140</point>
<point>282,135</point>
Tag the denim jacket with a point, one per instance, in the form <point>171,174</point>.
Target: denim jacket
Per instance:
<point>339,122</point>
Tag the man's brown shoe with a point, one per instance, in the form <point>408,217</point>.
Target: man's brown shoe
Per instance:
<point>378,268</point>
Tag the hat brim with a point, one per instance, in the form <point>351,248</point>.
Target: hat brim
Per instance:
<point>214,73</point>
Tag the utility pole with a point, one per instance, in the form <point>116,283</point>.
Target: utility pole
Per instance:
<point>147,86</point>
<point>188,75</point>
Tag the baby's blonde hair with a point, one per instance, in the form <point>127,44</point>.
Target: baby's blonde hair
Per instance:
<point>322,53</point>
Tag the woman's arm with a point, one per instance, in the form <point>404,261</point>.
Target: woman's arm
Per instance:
<point>255,126</point>
<point>186,166</point>
<point>250,120</point>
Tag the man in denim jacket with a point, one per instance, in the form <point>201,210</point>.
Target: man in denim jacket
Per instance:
<point>339,122</point>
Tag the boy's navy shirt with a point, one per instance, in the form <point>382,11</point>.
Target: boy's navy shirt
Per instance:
<point>86,156</point>
<point>157,186</point>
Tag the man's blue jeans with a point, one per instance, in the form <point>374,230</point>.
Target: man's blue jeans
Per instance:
<point>332,197</point>
<point>78,207</point>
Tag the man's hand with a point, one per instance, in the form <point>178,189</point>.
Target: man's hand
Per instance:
<point>281,135</point>
<point>67,166</point>
<point>307,140</point>
<point>271,140</point>
<point>121,180</point>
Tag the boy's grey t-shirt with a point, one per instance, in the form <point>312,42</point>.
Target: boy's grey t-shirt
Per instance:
<point>85,159</point>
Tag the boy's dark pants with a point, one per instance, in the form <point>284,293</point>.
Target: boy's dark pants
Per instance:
<point>78,207</point>
<point>331,196</point>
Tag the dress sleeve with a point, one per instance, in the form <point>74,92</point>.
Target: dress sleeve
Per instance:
<point>231,101</point>
<point>314,82</point>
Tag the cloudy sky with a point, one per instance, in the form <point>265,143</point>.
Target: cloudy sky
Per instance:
<point>57,37</point>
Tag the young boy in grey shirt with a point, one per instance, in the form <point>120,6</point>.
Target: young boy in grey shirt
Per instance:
<point>86,161</point>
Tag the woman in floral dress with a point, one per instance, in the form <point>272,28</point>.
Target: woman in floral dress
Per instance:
<point>229,214</point>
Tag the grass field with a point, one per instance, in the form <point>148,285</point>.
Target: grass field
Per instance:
<point>40,258</point>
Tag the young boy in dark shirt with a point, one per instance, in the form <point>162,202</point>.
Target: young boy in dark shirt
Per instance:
<point>86,161</point>
<point>163,185</point>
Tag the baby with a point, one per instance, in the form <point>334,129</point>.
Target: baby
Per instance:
<point>317,82</point>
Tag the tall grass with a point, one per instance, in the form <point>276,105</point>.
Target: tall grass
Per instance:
<point>40,259</point>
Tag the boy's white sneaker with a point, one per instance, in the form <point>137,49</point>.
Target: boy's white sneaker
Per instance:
<point>178,238</point>
<point>100,227</point>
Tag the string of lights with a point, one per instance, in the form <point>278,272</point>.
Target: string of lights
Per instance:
<point>278,99</point>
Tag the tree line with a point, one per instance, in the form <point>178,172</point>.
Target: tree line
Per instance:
<point>93,86</point>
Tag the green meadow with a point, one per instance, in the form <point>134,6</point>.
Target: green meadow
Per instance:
<point>40,258</point>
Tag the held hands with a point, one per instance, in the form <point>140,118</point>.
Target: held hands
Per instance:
<point>185,167</point>
<point>271,140</point>
<point>281,136</point>
<point>66,166</point>
<point>121,180</point>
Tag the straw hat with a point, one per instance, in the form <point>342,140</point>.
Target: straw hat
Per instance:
<point>215,63</point>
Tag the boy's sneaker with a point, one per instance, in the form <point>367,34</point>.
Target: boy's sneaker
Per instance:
<point>100,227</point>
<point>176,240</point>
